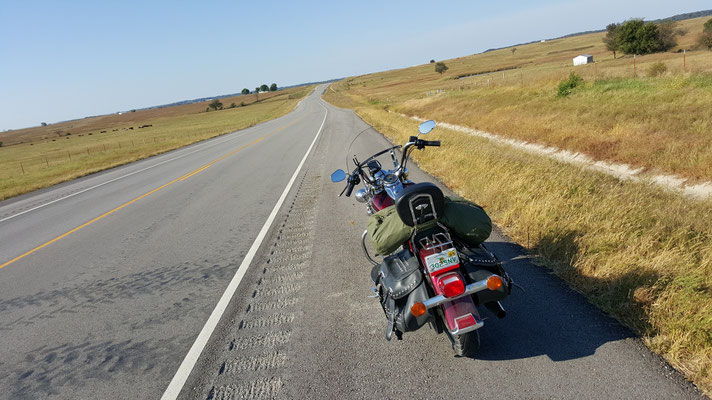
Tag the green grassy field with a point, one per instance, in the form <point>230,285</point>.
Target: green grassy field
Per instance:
<point>639,252</point>
<point>49,156</point>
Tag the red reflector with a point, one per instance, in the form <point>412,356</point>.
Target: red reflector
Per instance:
<point>451,285</point>
<point>466,321</point>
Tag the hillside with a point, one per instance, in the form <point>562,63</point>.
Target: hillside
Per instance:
<point>638,251</point>
<point>619,115</point>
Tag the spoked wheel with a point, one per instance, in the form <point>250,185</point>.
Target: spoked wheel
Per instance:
<point>465,345</point>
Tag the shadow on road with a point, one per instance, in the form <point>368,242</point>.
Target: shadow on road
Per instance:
<point>549,319</point>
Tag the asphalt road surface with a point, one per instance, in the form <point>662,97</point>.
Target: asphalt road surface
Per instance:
<point>112,309</point>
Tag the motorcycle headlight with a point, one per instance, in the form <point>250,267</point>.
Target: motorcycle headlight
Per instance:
<point>361,196</point>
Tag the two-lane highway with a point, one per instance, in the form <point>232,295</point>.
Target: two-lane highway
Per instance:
<point>125,305</point>
<point>106,281</point>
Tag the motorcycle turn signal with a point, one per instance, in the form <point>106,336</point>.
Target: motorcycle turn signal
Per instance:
<point>494,282</point>
<point>418,309</point>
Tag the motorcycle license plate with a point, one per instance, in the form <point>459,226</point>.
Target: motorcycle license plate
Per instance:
<point>436,262</point>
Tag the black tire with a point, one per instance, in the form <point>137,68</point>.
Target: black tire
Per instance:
<point>465,345</point>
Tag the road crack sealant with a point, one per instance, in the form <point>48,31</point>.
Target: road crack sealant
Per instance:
<point>257,349</point>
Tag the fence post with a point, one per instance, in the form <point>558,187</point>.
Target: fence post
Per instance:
<point>22,168</point>
<point>46,162</point>
<point>70,155</point>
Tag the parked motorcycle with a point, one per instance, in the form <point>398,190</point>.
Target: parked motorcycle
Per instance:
<point>435,268</point>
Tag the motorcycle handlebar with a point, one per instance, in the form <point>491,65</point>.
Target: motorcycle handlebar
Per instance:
<point>435,143</point>
<point>349,188</point>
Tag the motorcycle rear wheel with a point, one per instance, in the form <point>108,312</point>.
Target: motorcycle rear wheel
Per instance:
<point>465,345</point>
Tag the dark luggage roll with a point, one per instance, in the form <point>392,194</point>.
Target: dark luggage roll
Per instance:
<point>467,220</point>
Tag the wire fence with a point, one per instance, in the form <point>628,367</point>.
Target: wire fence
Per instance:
<point>60,157</point>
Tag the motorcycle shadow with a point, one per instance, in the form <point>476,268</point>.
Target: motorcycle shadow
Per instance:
<point>550,318</point>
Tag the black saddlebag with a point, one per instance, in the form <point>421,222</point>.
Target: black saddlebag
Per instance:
<point>479,263</point>
<point>399,283</point>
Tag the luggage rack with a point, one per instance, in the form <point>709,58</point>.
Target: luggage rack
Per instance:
<point>437,241</point>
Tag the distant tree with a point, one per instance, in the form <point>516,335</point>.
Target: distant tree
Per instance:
<point>440,67</point>
<point>612,38</point>
<point>667,31</point>
<point>133,110</point>
<point>245,91</point>
<point>705,39</point>
<point>432,61</point>
<point>273,87</point>
<point>207,109</point>
<point>44,124</point>
<point>707,27</point>
<point>0,144</point>
<point>233,105</point>
<point>215,104</point>
<point>513,50</point>
<point>264,88</point>
<point>639,37</point>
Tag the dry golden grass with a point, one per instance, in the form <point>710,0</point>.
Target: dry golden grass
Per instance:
<point>637,251</point>
<point>663,123</point>
<point>43,162</point>
<point>109,122</point>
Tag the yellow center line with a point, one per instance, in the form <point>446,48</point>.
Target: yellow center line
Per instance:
<point>189,174</point>
<point>195,172</point>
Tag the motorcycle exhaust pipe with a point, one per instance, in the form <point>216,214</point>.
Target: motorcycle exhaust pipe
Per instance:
<point>496,308</point>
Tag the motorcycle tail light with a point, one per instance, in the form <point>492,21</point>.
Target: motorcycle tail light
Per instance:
<point>494,282</point>
<point>418,309</point>
<point>451,285</point>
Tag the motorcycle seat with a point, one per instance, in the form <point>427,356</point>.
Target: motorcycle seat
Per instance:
<point>420,203</point>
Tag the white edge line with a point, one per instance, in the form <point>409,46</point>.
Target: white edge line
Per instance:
<point>210,145</point>
<point>174,388</point>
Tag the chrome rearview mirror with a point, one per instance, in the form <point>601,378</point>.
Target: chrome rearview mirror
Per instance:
<point>426,127</point>
<point>338,175</point>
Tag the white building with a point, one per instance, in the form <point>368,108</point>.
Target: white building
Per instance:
<point>583,59</point>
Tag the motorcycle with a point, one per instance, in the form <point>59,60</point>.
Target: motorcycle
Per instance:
<point>434,276</point>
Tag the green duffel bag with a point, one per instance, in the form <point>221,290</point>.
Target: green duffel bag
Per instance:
<point>386,231</point>
<point>467,221</point>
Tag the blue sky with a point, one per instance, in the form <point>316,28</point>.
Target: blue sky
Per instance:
<point>70,59</point>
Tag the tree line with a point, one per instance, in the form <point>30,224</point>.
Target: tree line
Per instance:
<point>218,105</point>
<point>638,37</point>
<point>263,88</point>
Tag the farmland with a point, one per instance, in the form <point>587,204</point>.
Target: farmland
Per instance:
<point>637,251</point>
<point>620,114</point>
<point>38,157</point>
